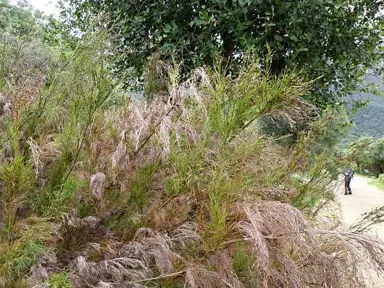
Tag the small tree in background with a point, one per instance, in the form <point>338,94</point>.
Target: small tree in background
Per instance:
<point>368,154</point>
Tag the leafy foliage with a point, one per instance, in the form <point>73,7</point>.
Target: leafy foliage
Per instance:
<point>368,154</point>
<point>335,40</point>
<point>17,20</point>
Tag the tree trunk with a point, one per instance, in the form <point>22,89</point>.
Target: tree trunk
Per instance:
<point>228,46</point>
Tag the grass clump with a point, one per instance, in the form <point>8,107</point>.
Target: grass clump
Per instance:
<point>18,178</point>
<point>52,203</point>
<point>29,243</point>
<point>60,280</point>
<point>379,182</point>
<point>242,265</point>
<point>141,185</point>
<point>20,259</point>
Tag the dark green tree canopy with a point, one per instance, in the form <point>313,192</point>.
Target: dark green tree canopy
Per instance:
<point>336,40</point>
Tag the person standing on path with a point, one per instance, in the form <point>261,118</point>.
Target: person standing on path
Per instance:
<point>347,180</point>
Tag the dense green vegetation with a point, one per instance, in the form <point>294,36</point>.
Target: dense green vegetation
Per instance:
<point>368,153</point>
<point>192,186</point>
<point>334,40</point>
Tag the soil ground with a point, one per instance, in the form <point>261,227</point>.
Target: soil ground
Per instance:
<point>364,198</point>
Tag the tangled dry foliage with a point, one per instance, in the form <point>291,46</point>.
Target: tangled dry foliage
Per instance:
<point>182,191</point>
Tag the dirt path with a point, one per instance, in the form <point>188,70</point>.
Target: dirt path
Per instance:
<point>364,198</point>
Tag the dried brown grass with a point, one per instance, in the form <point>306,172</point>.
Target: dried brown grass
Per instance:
<point>287,250</point>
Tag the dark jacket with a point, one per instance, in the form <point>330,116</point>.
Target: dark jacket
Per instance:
<point>349,173</point>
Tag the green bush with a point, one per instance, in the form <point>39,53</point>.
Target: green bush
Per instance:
<point>368,153</point>
<point>379,182</point>
<point>60,280</point>
<point>29,242</point>
<point>16,262</point>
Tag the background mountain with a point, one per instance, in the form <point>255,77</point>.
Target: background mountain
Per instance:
<point>370,119</point>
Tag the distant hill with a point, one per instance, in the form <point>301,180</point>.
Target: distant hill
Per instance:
<point>369,121</point>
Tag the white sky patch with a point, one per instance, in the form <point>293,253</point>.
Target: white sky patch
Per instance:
<point>47,6</point>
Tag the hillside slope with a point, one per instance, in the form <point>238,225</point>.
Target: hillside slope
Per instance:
<point>369,120</point>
